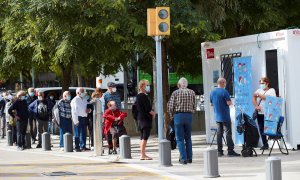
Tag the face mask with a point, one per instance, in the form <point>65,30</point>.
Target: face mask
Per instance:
<point>114,89</point>
<point>82,95</point>
<point>262,86</point>
<point>96,99</point>
<point>31,94</point>
<point>51,97</point>
<point>147,89</point>
<point>40,98</point>
<point>69,98</point>
<point>22,98</point>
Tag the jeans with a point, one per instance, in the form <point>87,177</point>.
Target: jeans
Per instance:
<point>21,132</point>
<point>224,126</point>
<point>50,127</point>
<point>33,127</point>
<point>183,126</point>
<point>42,126</point>
<point>65,126</point>
<point>80,133</point>
<point>261,123</point>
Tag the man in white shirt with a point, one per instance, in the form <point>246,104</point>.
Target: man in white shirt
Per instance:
<point>259,98</point>
<point>79,115</point>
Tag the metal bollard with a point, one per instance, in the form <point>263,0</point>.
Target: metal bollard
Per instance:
<point>68,142</point>
<point>165,153</point>
<point>273,168</point>
<point>9,138</point>
<point>28,140</point>
<point>97,129</point>
<point>46,144</point>
<point>125,147</point>
<point>211,168</point>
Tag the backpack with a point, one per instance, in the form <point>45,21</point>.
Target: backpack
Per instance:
<point>42,110</point>
<point>134,110</point>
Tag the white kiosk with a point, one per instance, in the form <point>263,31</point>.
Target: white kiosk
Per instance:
<point>275,55</point>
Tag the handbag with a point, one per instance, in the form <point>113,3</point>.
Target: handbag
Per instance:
<point>255,113</point>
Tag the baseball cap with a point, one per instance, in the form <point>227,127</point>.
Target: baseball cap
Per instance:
<point>111,84</point>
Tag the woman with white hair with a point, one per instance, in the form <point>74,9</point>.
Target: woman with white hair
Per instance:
<point>21,116</point>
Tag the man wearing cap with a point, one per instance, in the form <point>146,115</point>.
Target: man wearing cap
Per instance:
<point>111,95</point>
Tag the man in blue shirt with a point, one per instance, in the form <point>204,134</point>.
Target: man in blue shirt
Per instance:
<point>220,100</point>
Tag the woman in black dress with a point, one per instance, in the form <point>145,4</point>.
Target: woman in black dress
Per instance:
<point>145,116</point>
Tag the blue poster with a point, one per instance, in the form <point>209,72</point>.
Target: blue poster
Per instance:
<point>273,108</point>
<point>273,111</point>
<point>242,91</point>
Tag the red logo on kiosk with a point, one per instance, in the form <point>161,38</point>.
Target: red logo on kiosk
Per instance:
<point>210,53</point>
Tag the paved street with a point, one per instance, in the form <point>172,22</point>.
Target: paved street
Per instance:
<point>30,164</point>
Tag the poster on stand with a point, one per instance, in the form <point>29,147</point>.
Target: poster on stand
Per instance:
<point>242,92</point>
<point>273,111</point>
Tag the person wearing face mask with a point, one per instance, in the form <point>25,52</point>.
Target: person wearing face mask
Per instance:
<point>80,110</point>
<point>111,95</point>
<point>32,121</point>
<point>10,121</point>
<point>2,115</point>
<point>113,123</point>
<point>259,98</point>
<point>41,109</point>
<point>145,114</point>
<point>51,127</point>
<point>65,117</point>
<point>21,116</point>
<point>220,100</point>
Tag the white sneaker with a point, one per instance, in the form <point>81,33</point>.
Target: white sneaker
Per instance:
<point>92,148</point>
<point>62,149</point>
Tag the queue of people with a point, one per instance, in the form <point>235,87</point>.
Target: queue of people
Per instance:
<point>37,111</point>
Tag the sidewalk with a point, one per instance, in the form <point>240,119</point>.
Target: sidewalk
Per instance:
<point>229,167</point>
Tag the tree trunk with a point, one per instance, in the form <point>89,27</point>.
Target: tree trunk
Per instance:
<point>66,76</point>
<point>166,89</point>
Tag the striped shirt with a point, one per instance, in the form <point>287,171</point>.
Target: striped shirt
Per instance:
<point>64,107</point>
<point>182,100</point>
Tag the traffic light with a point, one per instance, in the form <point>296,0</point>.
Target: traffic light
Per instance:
<point>162,21</point>
<point>158,21</point>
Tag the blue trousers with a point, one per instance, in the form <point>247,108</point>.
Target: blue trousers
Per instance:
<point>65,126</point>
<point>80,133</point>
<point>183,126</point>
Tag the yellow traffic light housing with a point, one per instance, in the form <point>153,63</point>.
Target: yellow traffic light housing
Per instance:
<point>158,21</point>
<point>151,22</point>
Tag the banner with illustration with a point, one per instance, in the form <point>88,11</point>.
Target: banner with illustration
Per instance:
<point>242,92</point>
<point>273,111</point>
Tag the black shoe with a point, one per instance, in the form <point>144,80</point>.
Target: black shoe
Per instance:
<point>220,154</point>
<point>39,146</point>
<point>77,150</point>
<point>189,161</point>
<point>183,162</point>
<point>233,154</point>
<point>114,152</point>
<point>265,147</point>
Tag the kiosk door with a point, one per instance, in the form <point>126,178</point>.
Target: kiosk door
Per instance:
<point>272,69</point>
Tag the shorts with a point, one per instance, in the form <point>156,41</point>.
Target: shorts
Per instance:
<point>145,133</point>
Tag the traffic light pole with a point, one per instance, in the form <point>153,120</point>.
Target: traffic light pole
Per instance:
<point>159,101</point>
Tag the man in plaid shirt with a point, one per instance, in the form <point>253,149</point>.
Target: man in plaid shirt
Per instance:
<point>65,116</point>
<point>181,107</point>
